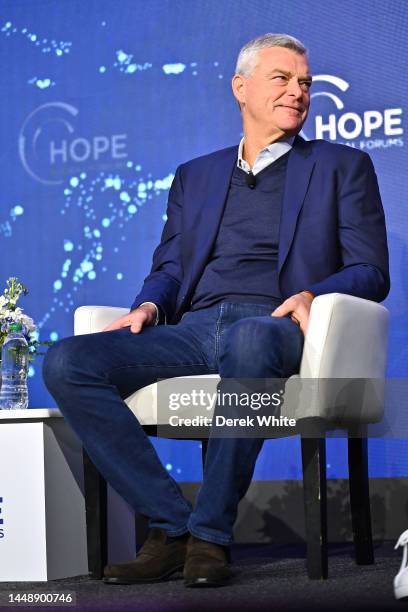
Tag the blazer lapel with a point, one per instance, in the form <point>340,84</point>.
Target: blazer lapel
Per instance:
<point>298,175</point>
<point>207,222</point>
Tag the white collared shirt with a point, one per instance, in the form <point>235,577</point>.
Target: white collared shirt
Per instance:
<point>265,157</point>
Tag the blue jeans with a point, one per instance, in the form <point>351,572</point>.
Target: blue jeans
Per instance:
<point>89,376</point>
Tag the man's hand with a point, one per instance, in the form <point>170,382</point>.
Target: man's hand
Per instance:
<point>298,306</point>
<point>136,319</point>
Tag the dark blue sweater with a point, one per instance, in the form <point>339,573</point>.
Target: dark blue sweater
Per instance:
<point>243,266</point>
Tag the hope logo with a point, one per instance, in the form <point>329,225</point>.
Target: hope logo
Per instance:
<point>329,119</point>
<point>50,148</point>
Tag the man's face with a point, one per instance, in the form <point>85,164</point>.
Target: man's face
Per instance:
<point>276,96</point>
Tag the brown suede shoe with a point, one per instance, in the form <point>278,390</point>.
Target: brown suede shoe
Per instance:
<point>156,560</point>
<point>206,564</point>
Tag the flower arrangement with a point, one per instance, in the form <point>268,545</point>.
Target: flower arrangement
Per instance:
<point>11,313</point>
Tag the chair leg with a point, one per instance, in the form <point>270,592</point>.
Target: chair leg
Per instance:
<point>96,518</point>
<point>204,445</point>
<point>141,529</point>
<point>314,489</point>
<point>360,500</point>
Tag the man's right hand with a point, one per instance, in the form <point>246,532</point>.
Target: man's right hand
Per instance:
<point>136,319</point>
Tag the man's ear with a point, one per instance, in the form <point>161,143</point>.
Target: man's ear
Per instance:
<point>238,89</point>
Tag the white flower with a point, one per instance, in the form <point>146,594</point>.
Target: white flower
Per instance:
<point>35,336</point>
<point>28,322</point>
<point>3,301</point>
<point>18,316</point>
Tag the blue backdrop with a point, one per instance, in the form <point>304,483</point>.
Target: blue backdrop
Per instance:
<point>101,100</point>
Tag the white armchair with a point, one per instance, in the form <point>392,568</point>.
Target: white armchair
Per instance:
<point>346,342</point>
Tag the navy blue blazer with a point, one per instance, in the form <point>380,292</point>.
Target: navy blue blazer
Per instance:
<point>332,231</point>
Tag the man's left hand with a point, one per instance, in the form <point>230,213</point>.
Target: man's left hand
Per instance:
<point>298,307</point>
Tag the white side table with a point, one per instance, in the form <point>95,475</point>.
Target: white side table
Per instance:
<point>42,504</point>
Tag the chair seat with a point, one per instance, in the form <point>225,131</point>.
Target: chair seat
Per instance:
<point>143,403</point>
<point>338,401</point>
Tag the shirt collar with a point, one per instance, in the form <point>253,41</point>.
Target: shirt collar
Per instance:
<point>265,157</point>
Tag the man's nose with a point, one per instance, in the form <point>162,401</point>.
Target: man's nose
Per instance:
<point>294,89</point>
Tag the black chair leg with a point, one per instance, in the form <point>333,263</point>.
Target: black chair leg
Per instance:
<point>204,445</point>
<point>96,518</point>
<point>360,500</point>
<point>314,489</point>
<point>141,529</point>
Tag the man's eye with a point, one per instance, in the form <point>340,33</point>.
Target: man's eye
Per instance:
<point>306,85</point>
<point>280,77</point>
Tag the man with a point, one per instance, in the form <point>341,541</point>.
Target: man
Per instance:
<point>252,231</point>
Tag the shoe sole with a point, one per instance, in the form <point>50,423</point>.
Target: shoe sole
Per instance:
<point>204,583</point>
<point>118,580</point>
<point>401,592</point>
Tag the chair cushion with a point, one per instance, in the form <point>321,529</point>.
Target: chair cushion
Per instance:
<point>143,403</point>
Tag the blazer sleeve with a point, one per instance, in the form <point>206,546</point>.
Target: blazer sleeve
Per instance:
<point>162,284</point>
<point>362,237</point>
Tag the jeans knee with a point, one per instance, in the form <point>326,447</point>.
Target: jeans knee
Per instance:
<point>252,348</point>
<point>58,363</point>
<point>251,336</point>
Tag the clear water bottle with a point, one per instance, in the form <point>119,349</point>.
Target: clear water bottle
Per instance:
<point>14,369</point>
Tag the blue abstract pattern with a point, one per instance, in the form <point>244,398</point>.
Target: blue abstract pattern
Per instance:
<point>101,101</point>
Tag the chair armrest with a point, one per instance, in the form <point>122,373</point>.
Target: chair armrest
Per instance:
<point>91,319</point>
<point>347,337</point>
<point>343,364</point>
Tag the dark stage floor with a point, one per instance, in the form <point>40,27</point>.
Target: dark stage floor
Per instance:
<point>265,577</point>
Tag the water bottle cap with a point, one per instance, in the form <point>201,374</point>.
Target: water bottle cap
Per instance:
<point>15,327</point>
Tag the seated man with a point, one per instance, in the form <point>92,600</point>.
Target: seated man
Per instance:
<point>253,230</point>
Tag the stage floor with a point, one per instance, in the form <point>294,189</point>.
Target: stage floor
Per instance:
<point>265,577</point>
